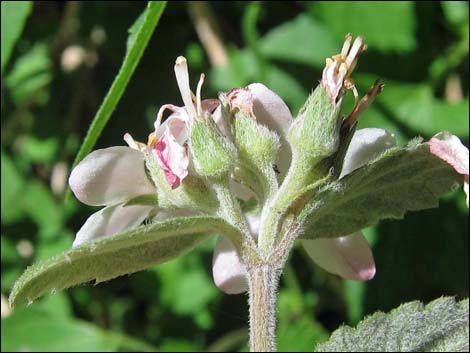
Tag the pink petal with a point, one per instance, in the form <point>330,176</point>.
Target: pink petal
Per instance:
<point>449,148</point>
<point>228,272</point>
<point>366,145</point>
<point>111,220</point>
<point>349,257</point>
<point>172,157</point>
<point>109,176</point>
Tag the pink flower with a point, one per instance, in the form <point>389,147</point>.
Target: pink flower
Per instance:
<point>449,148</point>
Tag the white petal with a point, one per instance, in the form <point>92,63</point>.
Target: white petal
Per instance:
<point>270,109</point>
<point>253,220</point>
<point>241,191</point>
<point>227,270</point>
<point>111,220</point>
<point>349,257</point>
<point>366,145</point>
<point>182,77</point>
<point>219,121</point>
<point>109,176</point>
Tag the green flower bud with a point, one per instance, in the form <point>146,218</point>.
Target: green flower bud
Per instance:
<point>213,155</point>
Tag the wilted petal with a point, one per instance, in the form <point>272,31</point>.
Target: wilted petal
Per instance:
<point>177,125</point>
<point>110,176</point>
<point>449,148</point>
<point>349,257</point>
<point>172,157</point>
<point>366,144</point>
<point>111,220</point>
<point>227,270</point>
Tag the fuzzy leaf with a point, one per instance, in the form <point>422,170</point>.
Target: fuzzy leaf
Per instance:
<point>117,255</point>
<point>440,326</point>
<point>402,179</point>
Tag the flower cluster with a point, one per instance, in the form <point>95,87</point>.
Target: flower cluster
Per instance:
<point>198,147</point>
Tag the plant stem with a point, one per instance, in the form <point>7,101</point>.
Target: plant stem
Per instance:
<point>263,282</point>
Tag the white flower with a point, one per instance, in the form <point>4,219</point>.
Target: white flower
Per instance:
<point>110,177</point>
<point>349,256</point>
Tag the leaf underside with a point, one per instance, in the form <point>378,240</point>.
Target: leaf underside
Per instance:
<point>116,255</point>
<point>402,179</point>
<point>440,326</point>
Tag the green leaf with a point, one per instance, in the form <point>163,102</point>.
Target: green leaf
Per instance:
<point>282,42</point>
<point>11,188</point>
<point>37,330</point>
<point>440,326</point>
<point>402,179</point>
<point>30,73</point>
<point>376,21</point>
<point>180,295</point>
<point>117,255</point>
<point>40,205</point>
<point>415,106</point>
<point>138,43</point>
<point>14,15</point>
<point>456,13</point>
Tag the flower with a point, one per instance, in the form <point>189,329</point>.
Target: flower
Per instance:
<point>449,148</point>
<point>111,177</point>
<point>349,256</point>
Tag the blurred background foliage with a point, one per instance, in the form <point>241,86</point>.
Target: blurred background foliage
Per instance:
<point>56,71</point>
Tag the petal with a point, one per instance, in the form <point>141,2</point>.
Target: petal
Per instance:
<point>172,158</point>
<point>177,124</point>
<point>465,187</point>
<point>219,120</point>
<point>449,148</point>
<point>111,220</point>
<point>227,270</point>
<point>349,257</point>
<point>366,145</point>
<point>270,109</point>
<point>109,176</point>
<point>182,77</point>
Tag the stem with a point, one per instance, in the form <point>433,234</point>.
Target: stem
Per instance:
<point>272,215</point>
<point>263,282</point>
<point>229,208</point>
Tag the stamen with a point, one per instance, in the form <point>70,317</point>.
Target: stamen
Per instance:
<point>130,141</point>
<point>198,95</point>
<point>182,77</point>
<point>346,45</point>
<point>355,51</point>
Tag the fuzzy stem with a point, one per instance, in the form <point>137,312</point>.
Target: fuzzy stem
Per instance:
<point>229,209</point>
<point>297,178</point>
<point>263,282</point>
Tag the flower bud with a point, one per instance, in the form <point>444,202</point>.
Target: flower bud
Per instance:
<point>213,155</point>
<point>316,131</point>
